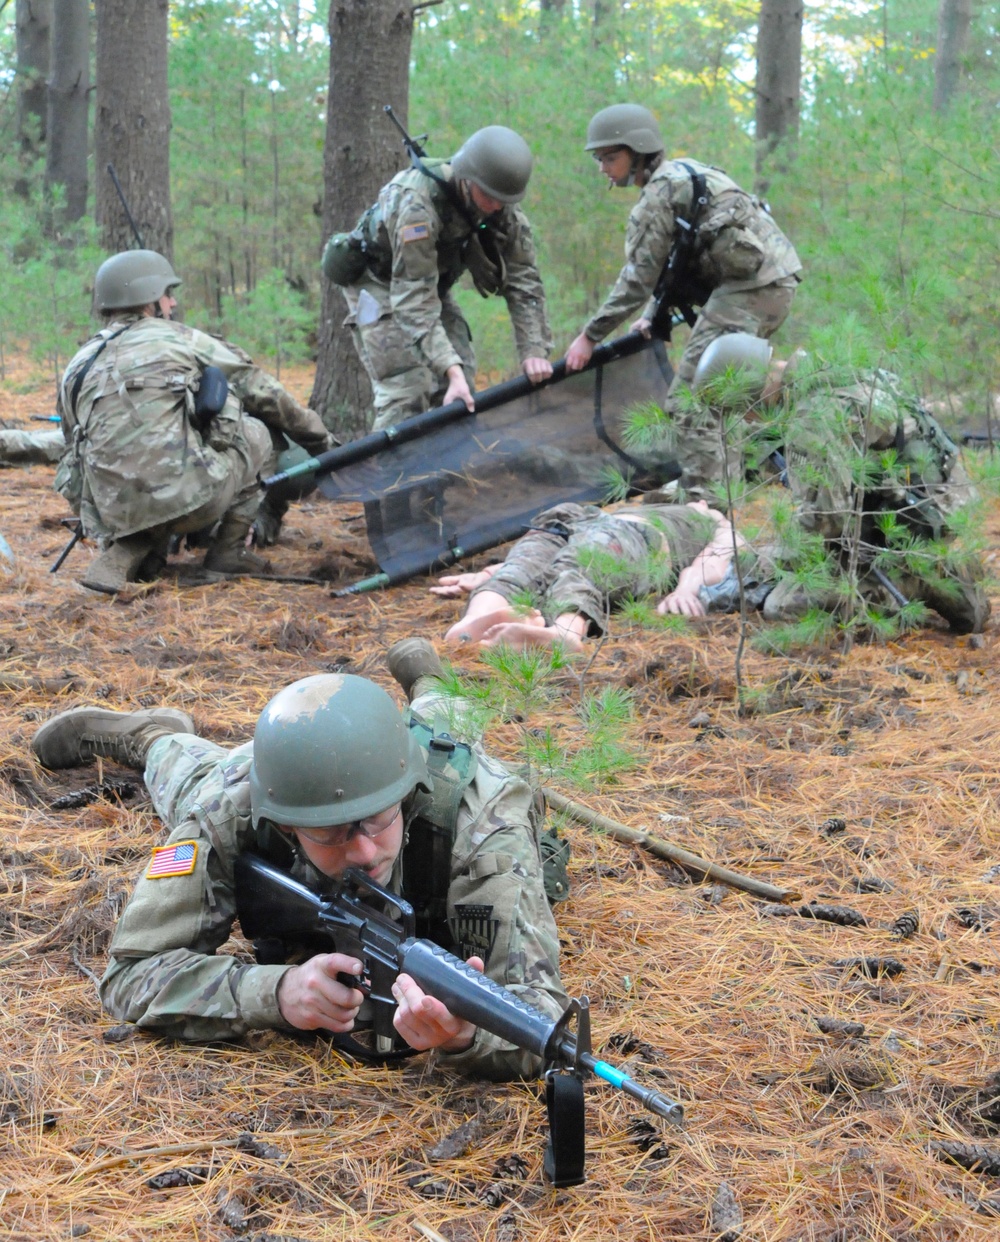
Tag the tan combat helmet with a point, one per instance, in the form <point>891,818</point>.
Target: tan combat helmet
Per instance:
<point>496,159</point>
<point>624,125</point>
<point>739,352</point>
<point>133,278</point>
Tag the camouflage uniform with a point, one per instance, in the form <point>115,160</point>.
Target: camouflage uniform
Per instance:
<point>868,430</point>
<point>407,325</point>
<point>30,448</point>
<point>165,974</point>
<point>577,558</point>
<point>136,459</point>
<point>744,277</point>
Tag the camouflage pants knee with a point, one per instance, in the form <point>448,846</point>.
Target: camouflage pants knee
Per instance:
<point>402,382</point>
<point>176,768</point>
<point>702,444</point>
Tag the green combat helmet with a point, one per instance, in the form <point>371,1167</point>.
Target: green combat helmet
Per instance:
<point>497,160</point>
<point>736,351</point>
<point>624,125</point>
<point>133,278</point>
<point>331,749</point>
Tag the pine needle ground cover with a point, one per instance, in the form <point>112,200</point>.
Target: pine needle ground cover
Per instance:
<point>837,1056</point>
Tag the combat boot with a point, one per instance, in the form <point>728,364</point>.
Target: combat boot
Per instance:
<point>119,564</point>
<point>83,733</point>
<point>410,661</point>
<point>228,553</point>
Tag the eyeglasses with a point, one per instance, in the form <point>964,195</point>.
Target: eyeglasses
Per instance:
<point>605,157</point>
<point>340,834</point>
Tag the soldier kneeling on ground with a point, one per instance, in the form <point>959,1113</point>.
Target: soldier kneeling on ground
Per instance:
<point>869,469</point>
<point>159,441</point>
<point>335,777</point>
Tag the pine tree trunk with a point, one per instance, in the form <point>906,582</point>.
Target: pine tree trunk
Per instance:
<point>68,100</point>
<point>954,19</point>
<point>369,67</point>
<point>32,20</point>
<point>132,124</point>
<point>779,73</point>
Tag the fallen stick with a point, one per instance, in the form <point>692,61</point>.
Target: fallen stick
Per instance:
<point>178,1149</point>
<point>699,867</point>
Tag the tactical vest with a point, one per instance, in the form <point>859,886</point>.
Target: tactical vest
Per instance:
<point>479,253</point>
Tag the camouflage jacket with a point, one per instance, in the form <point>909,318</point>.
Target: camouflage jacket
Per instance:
<point>137,458</point>
<point>165,974</point>
<point>849,429</point>
<point>419,243</point>
<point>737,243</point>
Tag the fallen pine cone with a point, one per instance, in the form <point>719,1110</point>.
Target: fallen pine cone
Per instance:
<point>840,1026</point>
<point>973,1156</point>
<point>906,925</point>
<point>872,967</point>
<point>726,1215</point>
<point>830,827</point>
<point>845,916</point>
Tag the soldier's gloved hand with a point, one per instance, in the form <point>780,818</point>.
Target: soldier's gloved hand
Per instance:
<point>537,369</point>
<point>458,388</point>
<point>311,997</point>
<point>579,353</point>
<point>425,1022</point>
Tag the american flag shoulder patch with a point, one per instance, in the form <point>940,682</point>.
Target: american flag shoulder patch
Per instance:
<point>177,859</point>
<point>416,232</point>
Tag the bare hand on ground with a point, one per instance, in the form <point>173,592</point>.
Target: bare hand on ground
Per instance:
<point>681,603</point>
<point>452,585</point>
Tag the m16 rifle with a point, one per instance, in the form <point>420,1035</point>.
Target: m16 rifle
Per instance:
<point>364,920</point>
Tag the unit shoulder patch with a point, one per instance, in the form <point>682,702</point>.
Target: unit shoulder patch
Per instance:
<point>176,859</point>
<point>415,232</point>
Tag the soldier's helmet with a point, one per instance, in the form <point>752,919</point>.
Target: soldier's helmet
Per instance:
<point>496,159</point>
<point>738,352</point>
<point>624,125</point>
<point>331,749</point>
<point>133,278</point>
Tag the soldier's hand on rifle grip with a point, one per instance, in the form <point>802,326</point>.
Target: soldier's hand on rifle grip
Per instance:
<point>642,325</point>
<point>311,996</point>
<point>458,388</point>
<point>579,353</point>
<point>425,1022</point>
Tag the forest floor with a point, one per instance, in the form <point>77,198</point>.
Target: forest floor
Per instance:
<point>834,1076</point>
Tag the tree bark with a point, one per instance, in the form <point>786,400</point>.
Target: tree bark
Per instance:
<point>32,22</point>
<point>954,20</point>
<point>68,106</point>
<point>369,67</point>
<point>779,74</point>
<point>132,124</point>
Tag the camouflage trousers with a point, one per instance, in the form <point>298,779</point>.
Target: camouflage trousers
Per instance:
<point>581,561</point>
<point>177,767</point>
<point>958,597</point>
<point>698,436</point>
<point>30,448</point>
<point>402,382</point>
